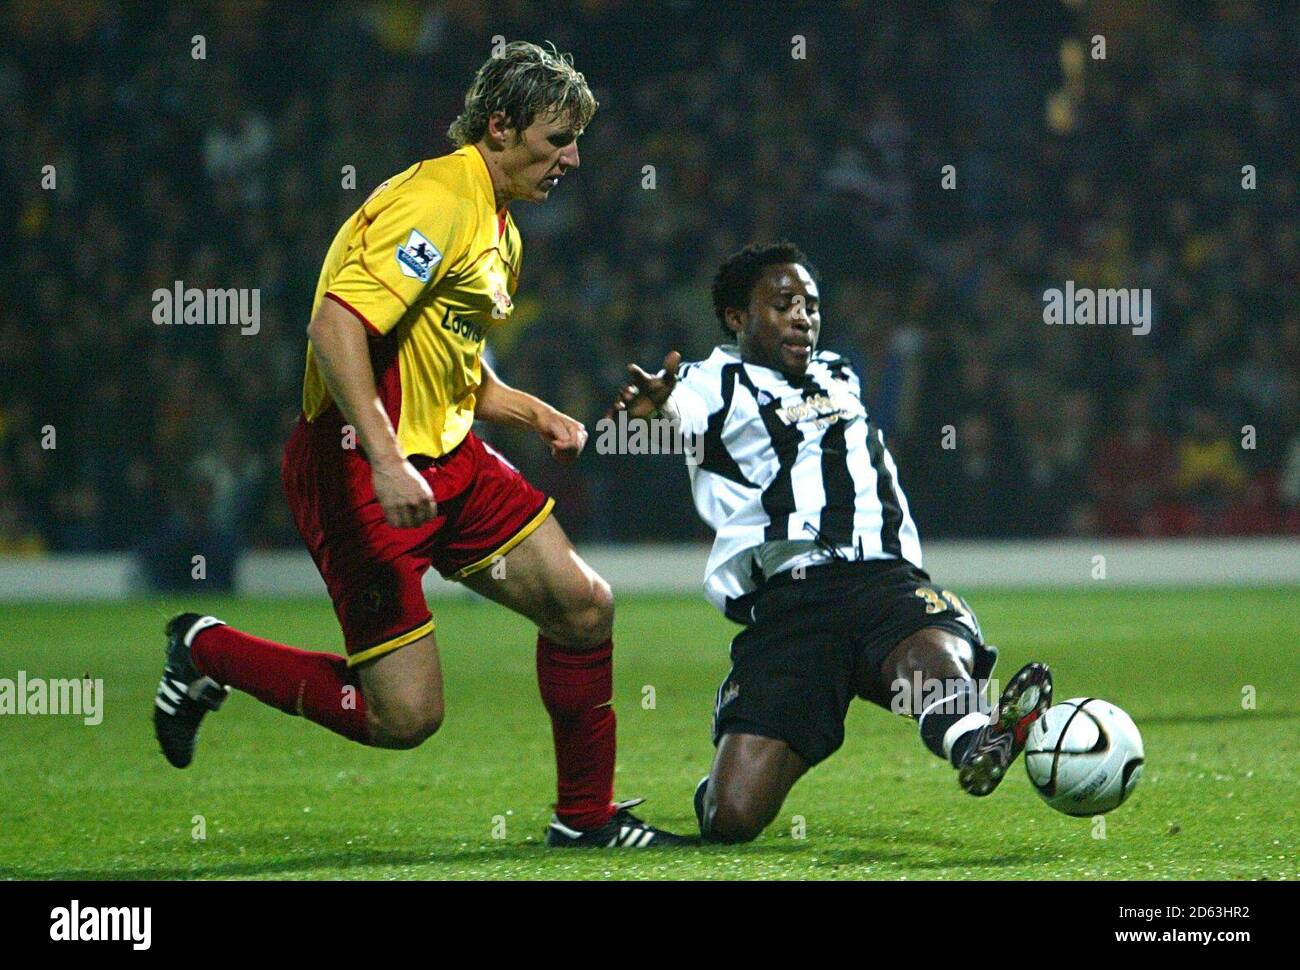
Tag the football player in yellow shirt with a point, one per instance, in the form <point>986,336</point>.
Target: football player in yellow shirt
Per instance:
<point>385,477</point>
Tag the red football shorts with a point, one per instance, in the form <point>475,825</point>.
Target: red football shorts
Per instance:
<point>374,571</point>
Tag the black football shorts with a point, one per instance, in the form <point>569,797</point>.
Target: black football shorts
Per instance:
<point>818,641</point>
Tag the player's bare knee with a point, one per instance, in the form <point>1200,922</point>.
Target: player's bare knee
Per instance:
<point>733,828</point>
<point>949,654</point>
<point>599,625</point>
<point>589,621</point>
<point>406,734</point>
<point>405,725</point>
<point>934,653</point>
<point>737,817</point>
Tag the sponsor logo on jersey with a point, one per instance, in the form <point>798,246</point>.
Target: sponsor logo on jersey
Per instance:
<point>418,257</point>
<point>820,408</point>
<point>461,327</point>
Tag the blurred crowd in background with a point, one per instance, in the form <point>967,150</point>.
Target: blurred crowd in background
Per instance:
<point>230,170</point>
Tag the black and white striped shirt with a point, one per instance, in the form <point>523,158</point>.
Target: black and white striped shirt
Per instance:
<point>789,473</point>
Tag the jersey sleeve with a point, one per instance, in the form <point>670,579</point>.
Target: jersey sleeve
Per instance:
<point>695,399</point>
<point>410,235</point>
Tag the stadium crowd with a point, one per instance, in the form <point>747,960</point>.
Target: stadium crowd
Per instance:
<point>233,170</point>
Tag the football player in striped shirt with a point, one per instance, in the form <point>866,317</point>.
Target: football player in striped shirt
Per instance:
<point>817,556</point>
<point>385,477</point>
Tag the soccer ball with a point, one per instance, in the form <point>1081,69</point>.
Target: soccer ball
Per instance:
<point>1084,756</point>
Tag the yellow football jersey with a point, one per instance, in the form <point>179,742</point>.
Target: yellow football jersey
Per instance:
<point>429,266</point>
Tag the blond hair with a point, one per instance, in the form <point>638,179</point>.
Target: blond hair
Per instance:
<point>524,80</point>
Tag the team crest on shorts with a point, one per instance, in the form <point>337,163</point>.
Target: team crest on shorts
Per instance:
<point>418,257</point>
<point>726,694</point>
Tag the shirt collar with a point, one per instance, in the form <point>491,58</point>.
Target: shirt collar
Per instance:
<point>483,178</point>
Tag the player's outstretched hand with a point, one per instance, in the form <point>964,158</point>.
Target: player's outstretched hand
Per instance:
<point>403,494</point>
<point>565,436</point>
<point>647,393</point>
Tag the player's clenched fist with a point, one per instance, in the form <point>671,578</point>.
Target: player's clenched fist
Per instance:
<point>565,436</point>
<point>403,494</point>
<point>647,393</point>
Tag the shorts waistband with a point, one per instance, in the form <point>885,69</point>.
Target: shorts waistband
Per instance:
<point>837,569</point>
<point>326,428</point>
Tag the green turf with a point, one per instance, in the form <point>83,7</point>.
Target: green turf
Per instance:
<point>282,798</point>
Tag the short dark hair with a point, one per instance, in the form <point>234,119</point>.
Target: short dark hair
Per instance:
<point>738,274</point>
<point>523,80</point>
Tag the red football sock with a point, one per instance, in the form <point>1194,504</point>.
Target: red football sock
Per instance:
<point>314,685</point>
<point>577,689</point>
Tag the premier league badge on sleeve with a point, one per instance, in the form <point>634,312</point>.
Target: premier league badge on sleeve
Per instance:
<point>418,257</point>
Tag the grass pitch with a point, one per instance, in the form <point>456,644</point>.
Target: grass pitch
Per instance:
<point>280,798</point>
